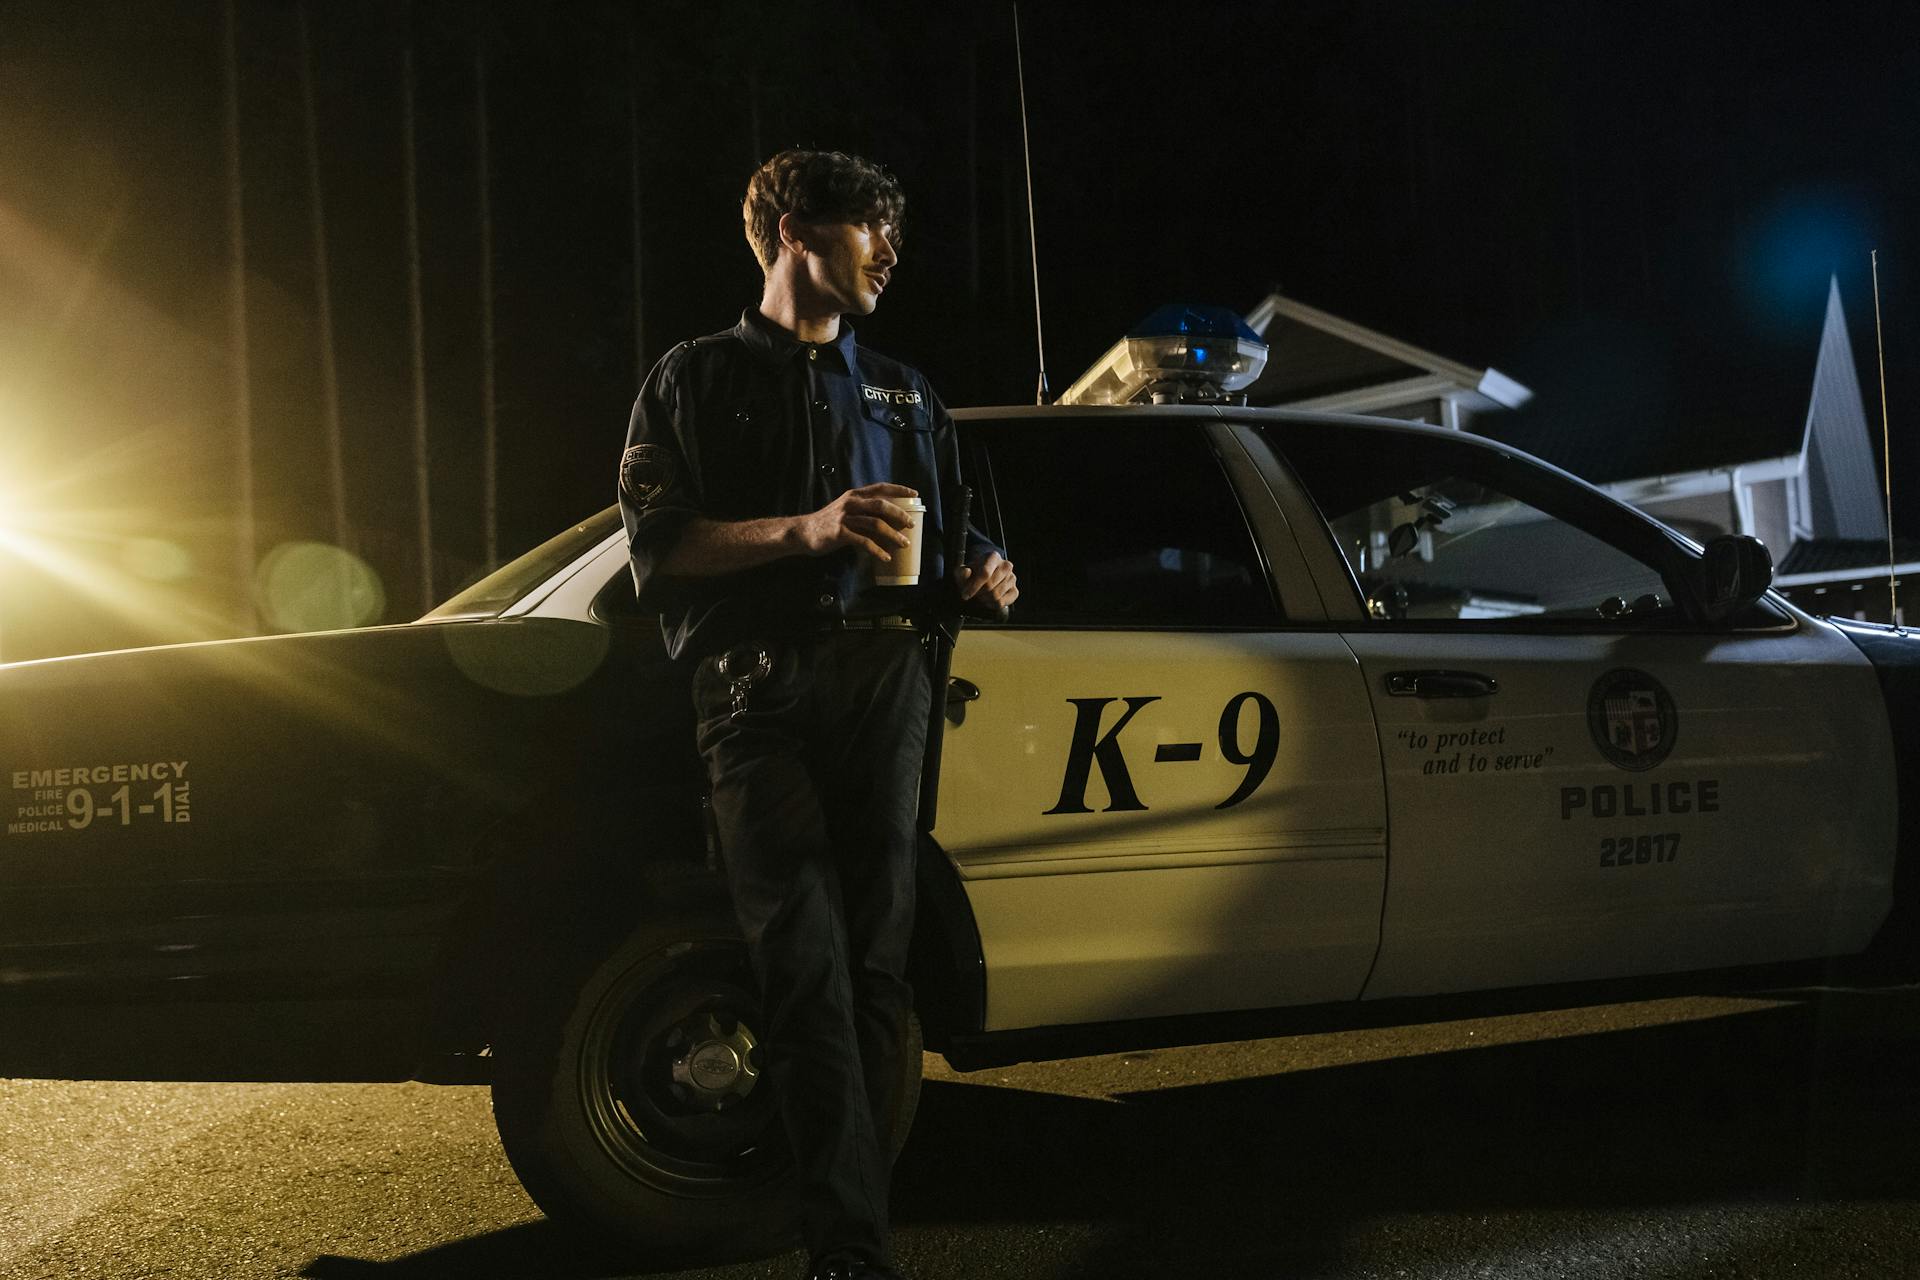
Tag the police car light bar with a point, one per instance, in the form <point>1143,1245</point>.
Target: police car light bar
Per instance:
<point>1177,355</point>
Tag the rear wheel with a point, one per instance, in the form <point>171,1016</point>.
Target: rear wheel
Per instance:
<point>630,1100</point>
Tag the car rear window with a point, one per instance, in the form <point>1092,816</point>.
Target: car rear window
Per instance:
<point>499,589</point>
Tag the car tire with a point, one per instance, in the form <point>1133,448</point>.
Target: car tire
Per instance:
<point>628,1102</point>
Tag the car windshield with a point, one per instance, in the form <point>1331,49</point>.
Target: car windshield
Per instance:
<point>487,597</point>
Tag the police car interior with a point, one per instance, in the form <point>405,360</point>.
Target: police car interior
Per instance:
<point>1302,721</point>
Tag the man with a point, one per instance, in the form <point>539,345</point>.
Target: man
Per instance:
<point>761,488</point>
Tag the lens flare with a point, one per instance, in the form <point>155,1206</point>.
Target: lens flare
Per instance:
<point>312,586</point>
<point>531,658</point>
<point>156,559</point>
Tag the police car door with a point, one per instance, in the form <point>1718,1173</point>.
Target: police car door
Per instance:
<point>1583,782</point>
<point>1166,797</point>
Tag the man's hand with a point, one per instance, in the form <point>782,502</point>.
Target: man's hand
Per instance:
<point>989,580</point>
<point>860,518</point>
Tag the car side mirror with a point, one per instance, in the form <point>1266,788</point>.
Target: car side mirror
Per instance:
<point>1733,572</point>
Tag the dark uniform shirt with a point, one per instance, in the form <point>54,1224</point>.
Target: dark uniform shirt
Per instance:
<point>753,422</point>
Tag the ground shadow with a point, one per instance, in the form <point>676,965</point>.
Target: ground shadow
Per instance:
<point>535,1249</point>
<point>1264,1176</point>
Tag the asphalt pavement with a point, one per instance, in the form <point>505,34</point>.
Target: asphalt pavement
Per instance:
<point>1675,1139</point>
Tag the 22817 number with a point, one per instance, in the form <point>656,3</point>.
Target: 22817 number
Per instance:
<point>1638,851</point>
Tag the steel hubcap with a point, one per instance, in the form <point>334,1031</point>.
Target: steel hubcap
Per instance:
<point>713,1064</point>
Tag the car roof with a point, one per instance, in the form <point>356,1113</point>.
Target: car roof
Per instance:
<point>1255,416</point>
<point>1235,412</point>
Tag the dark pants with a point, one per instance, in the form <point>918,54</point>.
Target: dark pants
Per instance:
<point>815,789</point>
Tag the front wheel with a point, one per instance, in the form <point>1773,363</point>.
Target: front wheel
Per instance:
<point>630,1101</point>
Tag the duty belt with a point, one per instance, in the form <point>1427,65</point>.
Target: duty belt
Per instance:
<point>890,622</point>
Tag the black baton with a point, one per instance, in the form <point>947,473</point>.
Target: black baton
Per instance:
<point>942,632</point>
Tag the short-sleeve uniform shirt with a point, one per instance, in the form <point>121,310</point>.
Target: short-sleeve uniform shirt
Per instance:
<point>752,422</point>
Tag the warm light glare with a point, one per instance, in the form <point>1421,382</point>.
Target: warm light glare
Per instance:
<point>51,522</point>
<point>101,456</point>
<point>97,579</point>
<point>15,520</point>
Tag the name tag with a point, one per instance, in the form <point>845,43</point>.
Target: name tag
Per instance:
<point>889,395</point>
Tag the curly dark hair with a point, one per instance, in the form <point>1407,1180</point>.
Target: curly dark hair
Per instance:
<point>817,186</point>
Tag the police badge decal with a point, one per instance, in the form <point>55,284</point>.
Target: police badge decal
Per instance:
<point>645,472</point>
<point>1632,719</point>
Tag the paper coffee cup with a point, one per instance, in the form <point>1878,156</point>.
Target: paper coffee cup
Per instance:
<point>904,569</point>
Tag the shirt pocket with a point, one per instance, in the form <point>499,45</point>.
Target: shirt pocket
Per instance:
<point>751,456</point>
<point>910,419</point>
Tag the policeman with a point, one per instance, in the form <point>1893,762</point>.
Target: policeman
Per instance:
<point>761,489</point>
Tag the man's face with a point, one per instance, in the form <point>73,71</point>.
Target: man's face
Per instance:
<point>848,264</point>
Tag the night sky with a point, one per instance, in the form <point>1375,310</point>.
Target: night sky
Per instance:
<point>1615,201</point>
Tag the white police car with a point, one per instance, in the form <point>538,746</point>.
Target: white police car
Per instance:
<point>1302,722</point>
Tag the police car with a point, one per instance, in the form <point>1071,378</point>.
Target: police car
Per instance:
<point>1303,721</point>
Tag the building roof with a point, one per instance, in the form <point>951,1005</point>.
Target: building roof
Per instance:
<point>1314,356</point>
<point>1610,397</point>
<point>1841,555</point>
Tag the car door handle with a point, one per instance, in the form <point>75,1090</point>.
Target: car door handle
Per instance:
<point>960,691</point>
<point>1440,684</point>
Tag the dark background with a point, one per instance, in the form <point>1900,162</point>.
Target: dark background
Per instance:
<point>1606,201</point>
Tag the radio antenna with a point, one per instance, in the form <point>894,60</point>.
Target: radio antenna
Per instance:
<point>1886,446</point>
<point>1033,238</point>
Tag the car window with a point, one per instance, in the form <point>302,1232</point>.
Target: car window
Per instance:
<point>487,597</point>
<point>1128,523</point>
<point>618,604</point>
<point>1437,530</point>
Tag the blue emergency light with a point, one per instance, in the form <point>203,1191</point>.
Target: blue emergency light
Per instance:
<point>1177,354</point>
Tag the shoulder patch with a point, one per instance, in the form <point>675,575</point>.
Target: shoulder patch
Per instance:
<point>646,470</point>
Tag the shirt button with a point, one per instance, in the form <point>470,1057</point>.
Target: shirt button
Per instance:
<point>820,406</point>
<point>826,600</point>
<point>813,353</point>
<point>827,470</point>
